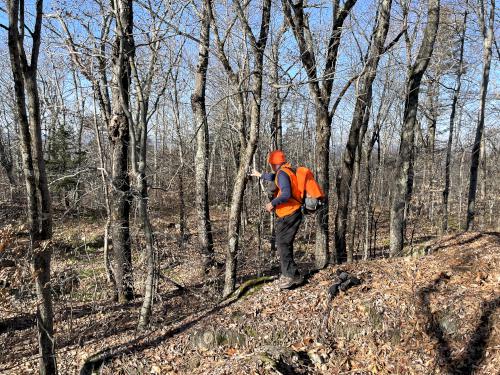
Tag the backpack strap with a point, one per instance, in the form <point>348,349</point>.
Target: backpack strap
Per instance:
<point>293,170</point>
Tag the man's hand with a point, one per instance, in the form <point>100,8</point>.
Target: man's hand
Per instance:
<point>255,173</point>
<point>269,207</point>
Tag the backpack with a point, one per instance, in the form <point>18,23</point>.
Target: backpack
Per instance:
<point>310,192</point>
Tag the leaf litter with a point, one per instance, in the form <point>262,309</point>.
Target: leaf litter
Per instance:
<point>437,313</point>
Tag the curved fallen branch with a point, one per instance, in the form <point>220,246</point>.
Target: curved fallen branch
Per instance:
<point>246,287</point>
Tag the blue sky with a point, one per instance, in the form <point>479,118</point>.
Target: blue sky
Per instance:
<point>320,21</point>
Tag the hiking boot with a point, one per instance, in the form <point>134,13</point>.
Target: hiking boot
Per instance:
<point>286,282</point>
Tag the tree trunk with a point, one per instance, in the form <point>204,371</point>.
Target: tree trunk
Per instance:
<point>247,148</point>
<point>487,47</point>
<point>6,162</point>
<point>483,169</point>
<point>138,158</point>
<point>38,159</point>
<point>432,103</point>
<point>151,261</point>
<point>321,95</point>
<point>368,217</point>
<point>107,204</point>
<point>277,101</point>
<point>404,167</point>
<point>354,210</point>
<point>367,156</point>
<point>123,47</point>
<point>363,100</point>
<point>276,127</point>
<point>323,123</point>
<point>456,93</point>
<point>180,177</point>
<point>39,211</point>
<point>202,144</point>
<point>139,169</point>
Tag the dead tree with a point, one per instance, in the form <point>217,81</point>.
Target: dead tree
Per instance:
<point>401,188</point>
<point>475,155</point>
<point>320,88</point>
<point>39,205</point>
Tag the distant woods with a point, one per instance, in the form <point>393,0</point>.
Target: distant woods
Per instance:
<point>130,111</point>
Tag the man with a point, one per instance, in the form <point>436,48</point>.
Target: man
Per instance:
<point>287,206</point>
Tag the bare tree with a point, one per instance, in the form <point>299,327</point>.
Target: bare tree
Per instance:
<point>277,99</point>
<point>456,93</point>
<point>119,133</point>
<point>138,155</point>
<point>247,146</point>
<point>320,88</point>
<point>181,184</point>
<point>487,32</point>
<point>39,204</point>
<point>90,61</point>
<point>403,181</point>
<point>202,141</point>
<point>358,127</point>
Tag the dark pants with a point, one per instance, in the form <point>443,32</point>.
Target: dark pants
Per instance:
<point>286,229</point>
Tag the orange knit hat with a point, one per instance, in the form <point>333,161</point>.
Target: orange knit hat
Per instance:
<point>276,157</point>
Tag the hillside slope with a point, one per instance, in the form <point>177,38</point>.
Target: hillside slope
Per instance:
<point>438,313</point>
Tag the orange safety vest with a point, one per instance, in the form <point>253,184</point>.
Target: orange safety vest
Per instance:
<point>293,204</point>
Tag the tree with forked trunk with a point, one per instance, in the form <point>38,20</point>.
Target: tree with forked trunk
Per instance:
<point>320,88</point>
<point>248,137</point>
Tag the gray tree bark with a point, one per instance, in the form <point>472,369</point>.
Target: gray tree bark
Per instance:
<point>6,162</point>
<point>475,155</point>
<point>123,49</point>
<point>401,187</point>
<point>456,93</point>
<point>248,141</point>
<point>138,138</point>
<point>363,103</point>
<point>180,150</point>
<point>321,94</point>
<point>39,204</point>
<point>202,143</point>
<point>277,100</point>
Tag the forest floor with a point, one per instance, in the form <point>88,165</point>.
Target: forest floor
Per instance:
<point>435,313</point>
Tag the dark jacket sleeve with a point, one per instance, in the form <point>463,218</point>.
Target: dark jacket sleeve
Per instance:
<point>285,189</point>
<point>268,176</point>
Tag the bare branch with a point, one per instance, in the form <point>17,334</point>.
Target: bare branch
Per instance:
<point>395,40</point>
